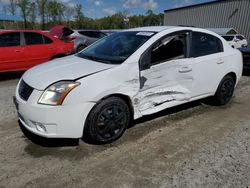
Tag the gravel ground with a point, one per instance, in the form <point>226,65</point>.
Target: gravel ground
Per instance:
<point>194,145</point>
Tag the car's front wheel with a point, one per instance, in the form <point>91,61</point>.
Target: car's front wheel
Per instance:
<point>224,91</point>
<point>107,121</point>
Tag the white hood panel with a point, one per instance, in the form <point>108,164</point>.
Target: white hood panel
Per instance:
<point>67,68</point>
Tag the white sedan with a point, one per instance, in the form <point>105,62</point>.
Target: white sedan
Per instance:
<point>236,41</point>
<point>96,93</point>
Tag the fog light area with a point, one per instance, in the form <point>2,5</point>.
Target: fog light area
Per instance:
<point>39,127</point>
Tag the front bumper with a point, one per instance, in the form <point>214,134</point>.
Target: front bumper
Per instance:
<point>65,121</point>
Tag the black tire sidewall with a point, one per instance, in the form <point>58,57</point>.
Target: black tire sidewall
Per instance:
<point>90,126</point>
<point>220,100</point>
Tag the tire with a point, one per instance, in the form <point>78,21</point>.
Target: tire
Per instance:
<point>80,48</point>
<point>107,121</point>
<point>224,91</point>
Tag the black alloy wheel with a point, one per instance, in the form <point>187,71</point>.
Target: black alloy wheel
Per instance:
<point>225,90</point>
<point>107,121</point>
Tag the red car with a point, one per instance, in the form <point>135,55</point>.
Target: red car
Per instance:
<point>22,49</point>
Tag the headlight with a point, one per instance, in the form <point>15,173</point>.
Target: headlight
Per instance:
<point>56,93</point>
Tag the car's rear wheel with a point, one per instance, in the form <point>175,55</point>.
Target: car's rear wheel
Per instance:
<point>107,121</point>
<point>224,91</point>
<point>80,48</point>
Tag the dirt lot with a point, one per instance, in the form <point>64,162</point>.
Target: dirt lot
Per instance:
<point>194,145</point>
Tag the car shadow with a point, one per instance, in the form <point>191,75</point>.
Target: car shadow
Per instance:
<point>10,76</point>
<point>48,142</point>
<point>66,142</point>
<point>165,112</point>
<point>246,72</point>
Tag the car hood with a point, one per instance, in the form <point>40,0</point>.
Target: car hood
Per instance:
<point>67,68</point>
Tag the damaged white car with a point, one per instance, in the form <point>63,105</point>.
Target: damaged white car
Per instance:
<point>97,92</point>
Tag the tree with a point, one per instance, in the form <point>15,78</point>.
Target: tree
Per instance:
<point>24,6</point>
<point>79,16</point>
<point>151,19</point>
<point>55,11</point>
<point>32,15</point>
<point>42,6</point>
<point>69,13</point>
<point>11,7</point>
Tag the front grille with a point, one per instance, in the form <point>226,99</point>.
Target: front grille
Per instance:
<point>24,90</point>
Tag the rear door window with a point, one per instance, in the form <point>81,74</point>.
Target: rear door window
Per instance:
<point>205,44</point>
<point>228,38</point>
<point>10,39</point>
<point>86,33</point>
<point>33,38</point>
<point>240,37</point>
<point>100,35</point>
<point>47,40</point>
<point>93,34</point>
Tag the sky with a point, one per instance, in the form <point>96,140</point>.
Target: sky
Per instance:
<point>100,8</point>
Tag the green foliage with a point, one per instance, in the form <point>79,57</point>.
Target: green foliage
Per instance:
<point>24,6</point>
<point>42,10</point>
<point>52,12</point>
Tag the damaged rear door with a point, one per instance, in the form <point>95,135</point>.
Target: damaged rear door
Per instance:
<point>166,76</point>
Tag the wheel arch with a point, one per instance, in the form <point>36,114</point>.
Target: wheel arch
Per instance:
<point>234,75</point>
<point>125,98</point>
<point>230,73</point>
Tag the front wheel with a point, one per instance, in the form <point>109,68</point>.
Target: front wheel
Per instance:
<point>224,91</point>
<point>107,121</point>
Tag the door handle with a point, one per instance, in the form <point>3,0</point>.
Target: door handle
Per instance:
<point>220,62</point>
<point>17,51</point>
<point>185,69</point>
<point>51,48</point>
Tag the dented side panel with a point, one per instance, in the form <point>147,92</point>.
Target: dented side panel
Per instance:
<point>162,85</point>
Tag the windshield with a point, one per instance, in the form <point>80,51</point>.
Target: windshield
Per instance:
<point>228,38</point>
<point>115,48</point>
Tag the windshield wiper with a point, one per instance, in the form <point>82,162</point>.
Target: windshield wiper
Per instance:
<point>93,58</point>
<point>99,59</point>
<point>90,57</point>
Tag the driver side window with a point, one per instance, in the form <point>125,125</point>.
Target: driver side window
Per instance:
<point>168,48</point>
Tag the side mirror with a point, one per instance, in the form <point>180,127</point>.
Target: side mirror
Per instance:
<point>145,60</point>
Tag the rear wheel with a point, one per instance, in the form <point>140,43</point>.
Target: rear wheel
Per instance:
<point>80,48</point>
<point>107,121</point>
<point>224,91</point>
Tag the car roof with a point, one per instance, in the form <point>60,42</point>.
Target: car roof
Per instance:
<point>9,31</point>
<point>152,28</point>
<point>87,30</point>
<point>233,35</point>
<point>163,28</point>
<point>28,31</point>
